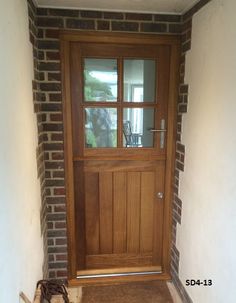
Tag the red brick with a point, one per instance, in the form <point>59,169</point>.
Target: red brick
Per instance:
<point>80,24</point>
<point>59,225</point>
<point>53,146</point>
<point>53,56</point>
<point>167,18</point>
<point>63,12</point>
<point>103,25</point>
<point>56,217</point>
<point>54,165</point>
<point>59,191</point>
<point>57,137</point>
<point>60,208</point>
<point>49,66</point>
<point>61,241</point>
<point>138,16</point>
<point>58,174</point>
<point>61,257</point>
<point>58,156</point>
<point>56,233</point>
<point>54,76</point>
<point>55,97</point>
<point>56,117</point>
<point>52,33</point>
<point>91,14</point>
<point>62,274</point>
<point>47,44</point>
<point>125,26</point>
<point>49,22</point>
<point>55,200</point>
<point>154,27</point>
<point>113,15</point>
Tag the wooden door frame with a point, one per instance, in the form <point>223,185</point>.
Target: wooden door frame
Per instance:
<point>173,42</point>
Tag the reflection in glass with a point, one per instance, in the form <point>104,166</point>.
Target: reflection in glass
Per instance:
<point>100,77</point>
<point>139,80</point>
<point>136,125</point>
<point>100,127</point>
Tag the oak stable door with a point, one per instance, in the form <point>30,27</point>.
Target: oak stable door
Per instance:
<point>118,142</point>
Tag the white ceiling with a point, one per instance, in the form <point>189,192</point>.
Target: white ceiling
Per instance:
<point>145,6</point>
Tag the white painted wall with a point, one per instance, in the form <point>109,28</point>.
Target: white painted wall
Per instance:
<point>21,252</point>
<point>207,236</point>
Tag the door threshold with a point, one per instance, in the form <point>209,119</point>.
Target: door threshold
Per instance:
<point>111,280</point>
<point>118,274</point>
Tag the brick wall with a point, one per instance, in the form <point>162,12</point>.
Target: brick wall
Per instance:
<point>41,118</point>
<point>44,30</point>
<point>49,22</point>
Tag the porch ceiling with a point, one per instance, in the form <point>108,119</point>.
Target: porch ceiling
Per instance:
<point>145,6</point>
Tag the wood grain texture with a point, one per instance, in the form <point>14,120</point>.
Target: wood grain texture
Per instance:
<point>120,38</point>
<point>79,194</point>
<point>106,212</point>
<point>158,214</point>
<point>118,260</point>
<point>118,166</point>
<point>92,213</point>
<point>171,147</point>
<point>146,211</point>
<point>119,212</point>
<point>131,180</point>
<point>133,212</point>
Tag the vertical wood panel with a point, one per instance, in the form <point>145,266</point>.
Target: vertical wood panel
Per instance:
<point>119,212</point>
<point>147,204</point>
<point>92,213</point>
<point>158,214</point>
<point>106,210</point>
<point>133,211</point>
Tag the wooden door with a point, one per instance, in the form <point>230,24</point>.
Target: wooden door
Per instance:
<point>118,120</point>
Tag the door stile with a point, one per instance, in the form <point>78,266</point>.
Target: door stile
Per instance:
<point>171,149</point>
<point>79,196</point>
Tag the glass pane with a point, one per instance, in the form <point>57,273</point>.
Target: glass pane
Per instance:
<point>139,80</point>
<point>136,125</point>
<point>100,127</point>
<point>100,77</point>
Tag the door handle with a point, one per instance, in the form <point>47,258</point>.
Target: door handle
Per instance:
<point>157,130</point>
<point>162,131</point>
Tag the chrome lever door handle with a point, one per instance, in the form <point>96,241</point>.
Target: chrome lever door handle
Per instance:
<point>157,130</point>
<point>162,131</point>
